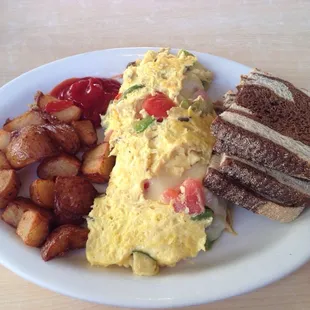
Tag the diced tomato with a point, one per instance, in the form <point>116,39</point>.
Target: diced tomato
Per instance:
<point>146,185</point>
<point>189,196</point>
<point>158,105</point>
<point>194,196</point>
<point>58,105</point>
<point>119,95</point>
<point>170,194</point>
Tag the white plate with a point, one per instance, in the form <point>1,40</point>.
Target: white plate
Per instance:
<point>263,252</point>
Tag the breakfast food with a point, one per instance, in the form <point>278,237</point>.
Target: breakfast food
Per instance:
<point>73,195</point>
<point>42,193</point>
<point>271,117</point>
<point>26,119</point>
<point>61,165</point>
<point>16,208</point>
<point>263,146</point>
<point>271,184</point>
<point>156,211</point>
<point>33,228</point>
<point>9,186</point>
<point>63,239</point>
<point>29,145</point>
<point>97,163</point>
<point>86,132</point>
<point>52,134</point>
<point>242,197</point>
<point>63,111</point>
<point>4,164</point>
<point>64,136</point>
<point>5,138</point>
<point>167,157</point>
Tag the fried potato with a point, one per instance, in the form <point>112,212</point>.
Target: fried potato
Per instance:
<point>5,138</point>
<point>65,136</point>
<point>63,217</point>
<point>64,239</point>
<point>61,165</point>
<point>29,118</point>
<point>42,100</point>
<point>4,164</point>
<point>86,132</point>
<point>16,208</point>
<point>33,228</point>
<point>74,194</point>
<point>67,115</point>
<point>9,186</point>
<point>97,164</point>
<point>42,193</point>
<point>29,145</point>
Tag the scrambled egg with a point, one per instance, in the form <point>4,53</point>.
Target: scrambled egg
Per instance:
<point>127,226</point>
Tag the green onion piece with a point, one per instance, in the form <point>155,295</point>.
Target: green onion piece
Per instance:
<point>209,244</point>
<point>141,125</point>
<point>203,216</point>
<point>184,104</point>
<point>144,253</point>
<point>131,89</point>
<point>198,105</point>
<point>186,53</point>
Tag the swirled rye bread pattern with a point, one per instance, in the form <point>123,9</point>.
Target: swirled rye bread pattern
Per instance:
<point>262,160</point>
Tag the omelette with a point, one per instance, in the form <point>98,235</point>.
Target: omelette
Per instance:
<point>155,211</point>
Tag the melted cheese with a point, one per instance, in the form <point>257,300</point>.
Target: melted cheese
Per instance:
<point>164,180</point>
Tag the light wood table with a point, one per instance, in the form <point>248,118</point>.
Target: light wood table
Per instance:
<point>273,35</point>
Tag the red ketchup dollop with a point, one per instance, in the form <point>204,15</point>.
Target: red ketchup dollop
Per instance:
<point>91,94</point>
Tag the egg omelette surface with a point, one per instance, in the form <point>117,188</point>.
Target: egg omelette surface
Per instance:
<point>132,225</point>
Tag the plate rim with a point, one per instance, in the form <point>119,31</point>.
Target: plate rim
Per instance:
<point>134,302</point>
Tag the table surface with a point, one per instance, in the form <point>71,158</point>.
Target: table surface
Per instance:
<point>270,34</point>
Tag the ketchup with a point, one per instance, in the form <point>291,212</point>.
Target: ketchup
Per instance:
<point>91,94</point>
<point>58,105</point>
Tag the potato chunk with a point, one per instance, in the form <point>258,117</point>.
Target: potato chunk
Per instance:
<point>29,145</point>
<point>97,164</point>
<point>42,193</point>
<point>16,208</point>
<point>33,228</point>
<point>29,118</point>
<point>5,138</point>
<point>64,239</point>
<point>86,132</point>
<point>62,165</point>
<point>9,186</point>
<point>63,217</point>
<point>64,136</point>
<point>42,100</point>
<point>74,194</point>
<point>67,115</point>
<point>4,163</point>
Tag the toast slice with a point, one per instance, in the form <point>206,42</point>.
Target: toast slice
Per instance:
<point>267,121</point>
<point>270,184</point>
<point>222,186</point>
